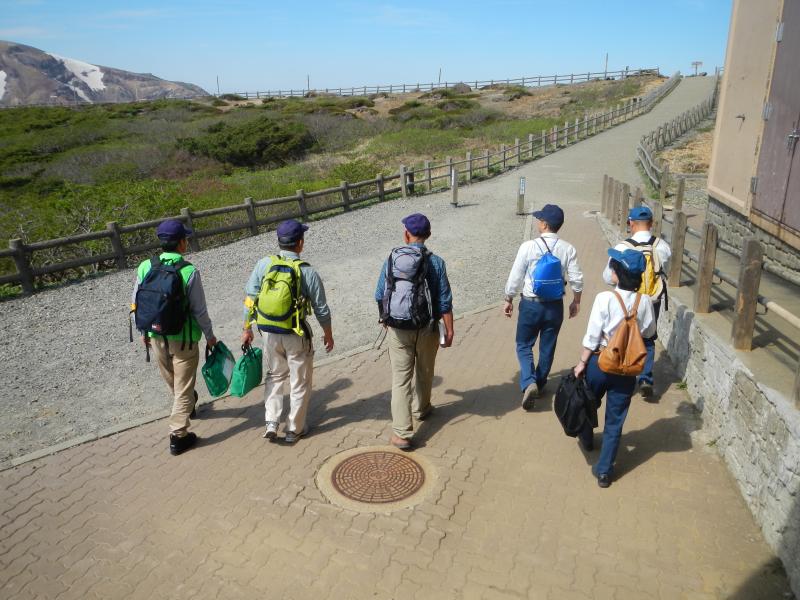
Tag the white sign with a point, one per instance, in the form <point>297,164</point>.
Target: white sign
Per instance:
<point>453,177</point>
<point>521,186</point>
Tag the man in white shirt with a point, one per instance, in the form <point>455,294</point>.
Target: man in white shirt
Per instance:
<point>541,307</point>
<point>640,221</point>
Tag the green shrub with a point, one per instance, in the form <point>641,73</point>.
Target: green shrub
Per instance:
<point>262,142</point>
<point>218,102</point>
<point>232,97</point>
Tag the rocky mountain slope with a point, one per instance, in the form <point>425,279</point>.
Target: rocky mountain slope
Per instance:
<point>31,76</point>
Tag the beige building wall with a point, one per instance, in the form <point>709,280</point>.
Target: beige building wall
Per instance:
<point>745,85</point>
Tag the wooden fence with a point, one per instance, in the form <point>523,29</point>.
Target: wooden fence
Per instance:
<point>657,171</point>
<point>532,81</point>
<point>125,241</point>
<point>616,201</point>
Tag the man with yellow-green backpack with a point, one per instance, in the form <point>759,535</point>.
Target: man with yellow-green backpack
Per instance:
<point>169,308</point>
<point>278,295</point>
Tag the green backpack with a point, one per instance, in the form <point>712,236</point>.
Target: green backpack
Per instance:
<point>280,306</point>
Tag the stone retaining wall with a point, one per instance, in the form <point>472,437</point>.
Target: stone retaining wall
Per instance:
<point>755,429</point>
<point>780,258</point>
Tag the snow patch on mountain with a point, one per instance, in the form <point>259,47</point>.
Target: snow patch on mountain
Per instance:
<point>2,84</point>
<point>91,75</point>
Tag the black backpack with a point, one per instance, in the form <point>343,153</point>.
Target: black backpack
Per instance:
<point>575,404</point>
<point>406,296</point>
<point>161,304</point>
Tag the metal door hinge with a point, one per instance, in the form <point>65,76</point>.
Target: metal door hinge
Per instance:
<point>766,112</point>
<point>779,32</point>
<point>753,184</point>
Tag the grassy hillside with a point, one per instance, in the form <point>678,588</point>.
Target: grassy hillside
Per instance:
<point>64,171</point>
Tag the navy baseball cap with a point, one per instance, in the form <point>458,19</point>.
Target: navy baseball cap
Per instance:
<point>550,214</point>
<point>631,260</point>
<point>291,231</point>
<point>640,213</point>
<point>172,230</point>
<point>417,224</point>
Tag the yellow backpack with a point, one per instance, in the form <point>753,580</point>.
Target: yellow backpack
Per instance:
<point>653,276</point>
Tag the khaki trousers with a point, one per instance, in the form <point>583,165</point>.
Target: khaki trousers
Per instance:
<point>411,353</point>
<point>179,369</point>
<point>289,357</point>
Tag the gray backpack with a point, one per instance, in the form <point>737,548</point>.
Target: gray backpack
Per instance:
<point>406,296</point>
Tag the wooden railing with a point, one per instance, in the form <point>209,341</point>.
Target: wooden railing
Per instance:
<point>616,202</point>
<point>531,81</point>
<point>123,241</point>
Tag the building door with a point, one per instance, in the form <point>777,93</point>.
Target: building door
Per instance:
<point>777,194</point>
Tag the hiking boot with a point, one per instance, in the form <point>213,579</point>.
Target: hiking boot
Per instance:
<point>401,443</point>
<point>179,445</point>
<point>529,396</point>
<point>645,389</point>
<point>271,432</point>
<point>193,414</point>
<point>292,436</point>
<point>604,480</point>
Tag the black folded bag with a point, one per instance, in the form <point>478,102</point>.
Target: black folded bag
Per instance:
<point>575,404</point>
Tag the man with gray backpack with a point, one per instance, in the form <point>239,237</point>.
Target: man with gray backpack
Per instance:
<point>540,269</point>
<point>415,304</point>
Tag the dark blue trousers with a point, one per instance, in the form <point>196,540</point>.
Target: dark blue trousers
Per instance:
<point>618,390</point>
<point>540,320</point>
<point>650,346</point>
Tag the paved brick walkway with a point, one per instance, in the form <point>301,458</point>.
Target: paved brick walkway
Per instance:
<point>514,512</point>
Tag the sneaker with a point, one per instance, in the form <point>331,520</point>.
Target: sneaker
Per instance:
<point>645,389</point>
<point>529,396</point>
<point>271,432</point>
<point>292,436</point>
<point>179,445</point>
<point>193,415</point>
<point>604,480</point>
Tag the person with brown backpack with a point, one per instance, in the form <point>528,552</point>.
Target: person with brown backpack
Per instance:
<point>614,353</point>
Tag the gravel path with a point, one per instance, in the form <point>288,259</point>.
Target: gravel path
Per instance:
<point>68,369</point>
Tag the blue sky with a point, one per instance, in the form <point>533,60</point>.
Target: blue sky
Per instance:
<point>259,45</point>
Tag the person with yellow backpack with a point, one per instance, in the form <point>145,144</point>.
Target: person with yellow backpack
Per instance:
<point>657,254</point>
<point>281,291</point>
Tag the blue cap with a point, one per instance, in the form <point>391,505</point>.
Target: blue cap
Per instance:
<point>631,260</point>
<point>417,224</point>
<point>172,230</point>
<point>640,213</point>
<point>291,231</point>
<point>550,214</point>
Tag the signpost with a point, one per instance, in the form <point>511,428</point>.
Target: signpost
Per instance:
<point>454,185</point>
<point>521,197</point>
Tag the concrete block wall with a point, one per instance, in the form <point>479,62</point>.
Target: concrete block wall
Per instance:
<point>754,429</point>
<point>780,258</point>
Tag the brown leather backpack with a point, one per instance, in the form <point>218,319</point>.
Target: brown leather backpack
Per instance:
<point>625,353</point>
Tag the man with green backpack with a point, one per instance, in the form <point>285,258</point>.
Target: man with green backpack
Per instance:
<point>278,295</point>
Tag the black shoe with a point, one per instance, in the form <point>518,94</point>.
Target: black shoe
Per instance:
<point>179,445</point>
<point>646,389</point>
<point>586,446</point>
<point>292,436</point>
<point>604,480</point>
<point>193,415</point>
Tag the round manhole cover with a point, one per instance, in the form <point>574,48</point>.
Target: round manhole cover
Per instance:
<point>374,479</point>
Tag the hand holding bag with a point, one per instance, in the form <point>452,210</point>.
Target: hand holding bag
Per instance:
<point>218,369</point>
<point>248,371</point>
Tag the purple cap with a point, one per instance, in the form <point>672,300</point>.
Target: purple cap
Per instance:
<point>550,214</point>
<point>640,213</point>
<point>291,231</point>
<point>172,230</point>
<point>417,224</point>
<point>632,260</point>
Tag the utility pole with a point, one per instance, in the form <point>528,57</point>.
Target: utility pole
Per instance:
<point>605,69</point>
<point>217,85</point>
<point>440,75</point>
<point>308,83</point>
<point>696,64</point>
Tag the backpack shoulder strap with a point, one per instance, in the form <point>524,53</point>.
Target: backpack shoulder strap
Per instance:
<point>622,303</point>
<point>544,241</point>
<point>632,243</point>
<point>635,309</point>
<point>155,261</point>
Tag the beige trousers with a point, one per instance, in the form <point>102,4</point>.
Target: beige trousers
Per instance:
<point>411,353</point>
<point>289,357</point>
<point>179,369</point>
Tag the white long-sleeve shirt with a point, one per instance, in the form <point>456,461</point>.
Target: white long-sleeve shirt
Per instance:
<point>607,315</point>
<point>529,253</point>
<point>661,248</point>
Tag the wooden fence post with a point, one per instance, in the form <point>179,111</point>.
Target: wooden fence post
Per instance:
<point>705,270</point>
<point>116,244</point>
<point>503,150</point>
<point>624,208</point>
<point>428,180</point>
<point>577,130</point>
<point>469,167</point>
<point>251,215</point>
<point>518,147</point>
<point>381,187</point>
<point>194,240</point>
<point>530,146</point>
<point>610,198</point>
<point>658,218</point>
<point>678,204</point>
<point>345,194</point>
<point>23,264</point>
<point>637,197</point>
<point>744,319</point>
<point>663,183</point>
<point>615,200</point>
<point>566,133</point>
<point>677,244</point>
<point>403,189</point>
<point>486,158</point>
<point>544,142</point>
<point>604,195</point>
<point>301,199</point>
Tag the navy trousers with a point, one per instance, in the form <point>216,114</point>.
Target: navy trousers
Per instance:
<point>618,390</point>
<point>650,346</point>
<point>540,320</point>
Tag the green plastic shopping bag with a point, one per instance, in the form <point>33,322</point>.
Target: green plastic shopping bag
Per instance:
<point>247,372</point>
<point>218,369</point>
